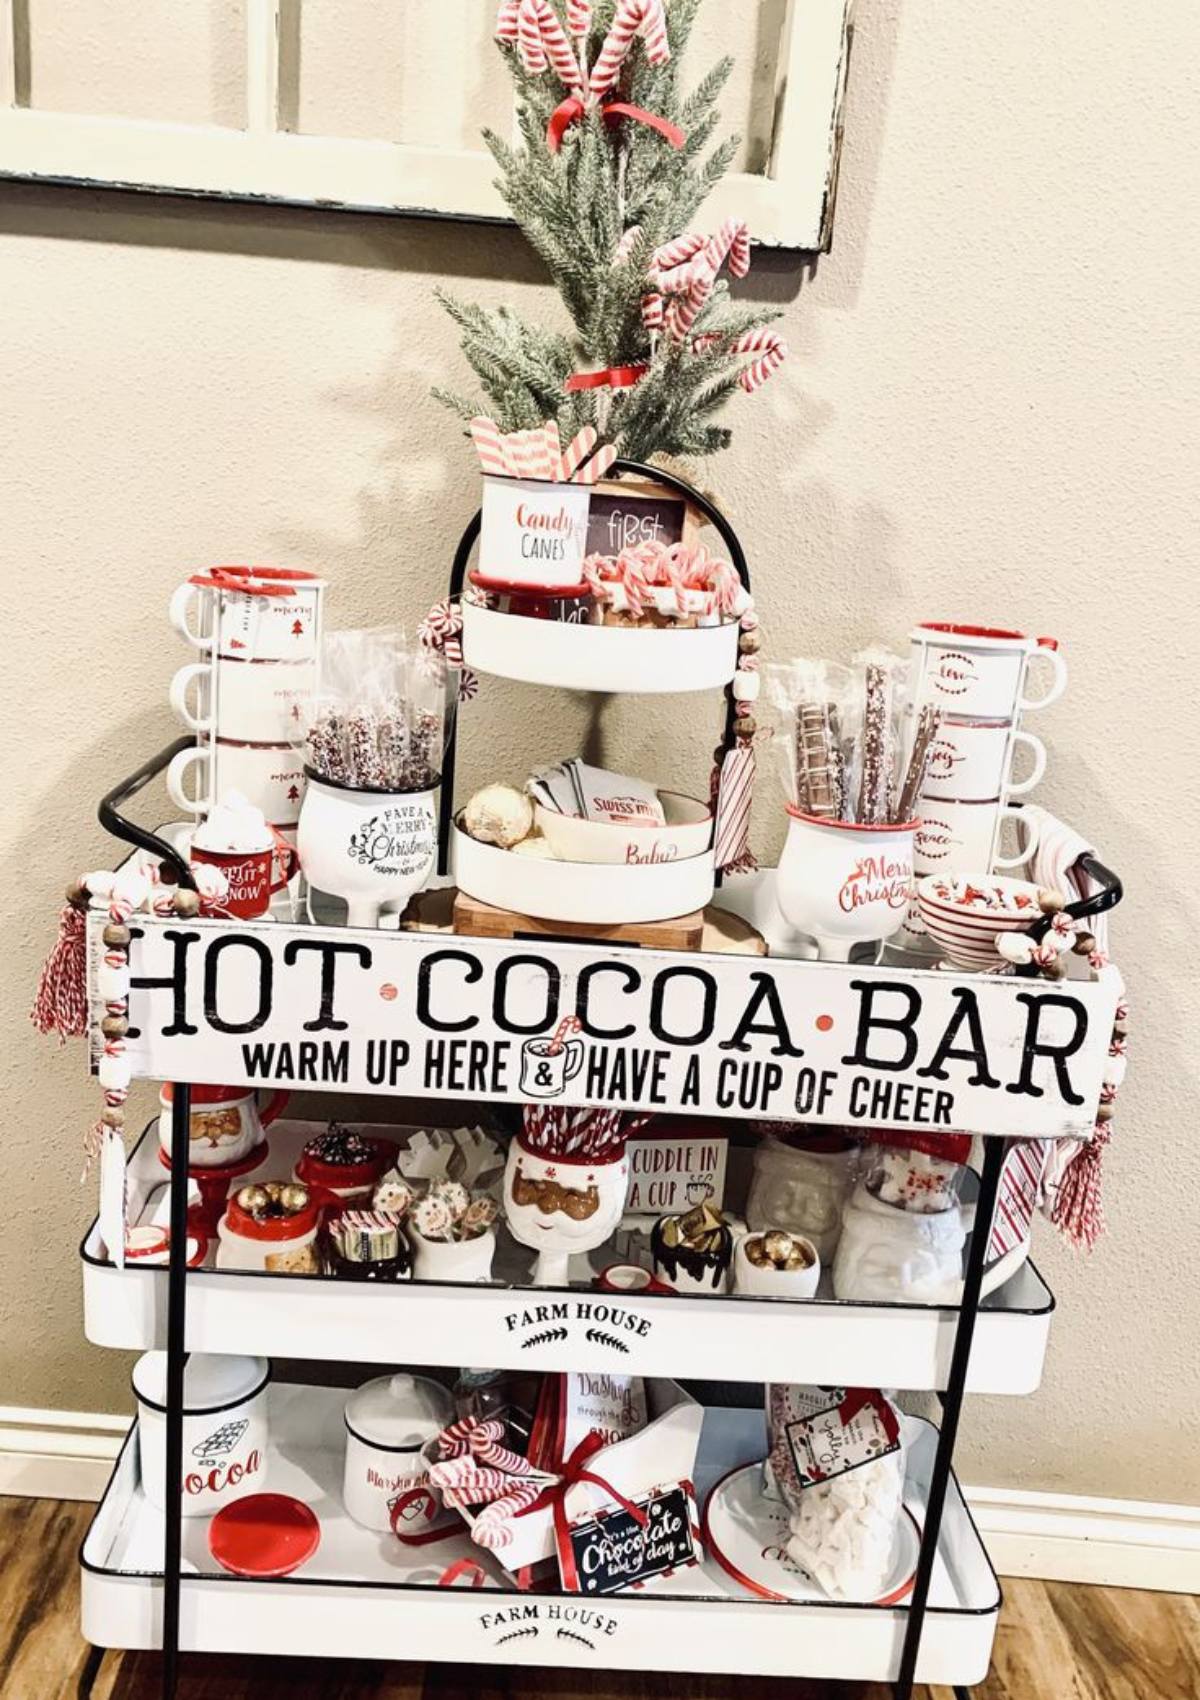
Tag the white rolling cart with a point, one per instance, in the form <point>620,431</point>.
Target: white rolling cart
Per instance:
<point>148,1580</point>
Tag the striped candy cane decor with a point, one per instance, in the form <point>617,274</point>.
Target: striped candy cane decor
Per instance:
<point>645,18</point>
<point>506,22</point>
<point>580,445</point>
<point>485,434</point>
<point>772,352</point>
<point>579,17</point>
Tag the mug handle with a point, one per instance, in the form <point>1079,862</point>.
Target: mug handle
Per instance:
<point>1031,838</point>
<point>178,766</point>
<point>276,1105</point>
<point>1047,650</point>
<point>178,694</point>
<point>575,1059</point>
<point>177,613</point>
<point>1039,764</point>
<point>288,860</point>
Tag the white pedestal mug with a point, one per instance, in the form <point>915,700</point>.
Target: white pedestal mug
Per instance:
<point>844,884</point>
<point>369,847</point>
<point>251,613</point>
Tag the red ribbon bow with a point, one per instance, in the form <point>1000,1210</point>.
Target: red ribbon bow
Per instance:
<point>575,1470</point>
<point>571,110</point>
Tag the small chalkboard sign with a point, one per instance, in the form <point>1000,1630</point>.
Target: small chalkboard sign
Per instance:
<point>615,1551</point>
<point>627,513</point>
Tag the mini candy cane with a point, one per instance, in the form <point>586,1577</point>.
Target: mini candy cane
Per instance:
<point>598,465</point>
<point>506,21</point>
<point>470,1483</point>
<point>574,454</point>
<point>568,1024</point>
<point>489,446</point>
<point>579,17</point>
<point>772,351</point>
<point>456,1438</point>
<point>540,40</point>
<point>492,1529</point>
<point>646,18</point>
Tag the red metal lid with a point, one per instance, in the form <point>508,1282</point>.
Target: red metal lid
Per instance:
<point>265,1534</point>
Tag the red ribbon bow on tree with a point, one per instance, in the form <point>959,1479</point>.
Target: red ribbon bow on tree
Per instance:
<point>571,110</point>
<point>575,1470</point>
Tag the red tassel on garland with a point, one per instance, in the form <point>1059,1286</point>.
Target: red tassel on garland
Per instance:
<point>1078,1204</point>
<point>61,1004</point>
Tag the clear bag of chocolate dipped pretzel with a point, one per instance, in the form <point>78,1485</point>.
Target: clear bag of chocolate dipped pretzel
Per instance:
<point>844,742</point>
<point>382,712</point>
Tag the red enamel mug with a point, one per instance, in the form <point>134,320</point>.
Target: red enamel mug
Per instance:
<point>249,872</point>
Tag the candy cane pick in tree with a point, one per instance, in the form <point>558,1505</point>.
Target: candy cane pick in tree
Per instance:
<point>772,352</point>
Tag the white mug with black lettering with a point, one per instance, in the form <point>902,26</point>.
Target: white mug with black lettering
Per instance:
<point>971,761</point>
<point>271,776</point>
<point>980,672</point>
<point>964,838</point>
<point>547,1065</point>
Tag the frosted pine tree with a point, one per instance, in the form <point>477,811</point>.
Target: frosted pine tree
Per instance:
<point>608,197</point>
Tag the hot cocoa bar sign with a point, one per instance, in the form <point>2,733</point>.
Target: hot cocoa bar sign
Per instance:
<point>426,1016</point>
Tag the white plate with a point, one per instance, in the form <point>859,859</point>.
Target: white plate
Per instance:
<point>746,1533</point>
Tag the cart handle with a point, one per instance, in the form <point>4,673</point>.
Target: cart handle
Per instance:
<point>140,837</point>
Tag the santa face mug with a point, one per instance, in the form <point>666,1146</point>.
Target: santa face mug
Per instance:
<point>368,847</point>
<point>561,1205</point>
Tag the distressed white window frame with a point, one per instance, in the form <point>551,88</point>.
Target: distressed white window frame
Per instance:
<point>788,206</point>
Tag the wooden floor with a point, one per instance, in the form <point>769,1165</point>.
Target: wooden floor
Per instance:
<point>1056,1642</point>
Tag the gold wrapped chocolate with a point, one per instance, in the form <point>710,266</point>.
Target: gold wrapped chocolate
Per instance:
<point>293,1198</point>
<point>252,1199</point>
<point>755,1252</point>
<point>777,1245</point>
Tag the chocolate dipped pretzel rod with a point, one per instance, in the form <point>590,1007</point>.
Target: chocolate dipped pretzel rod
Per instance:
<point>872,790</point>
<point>815,787</point>
<point>928,721</point>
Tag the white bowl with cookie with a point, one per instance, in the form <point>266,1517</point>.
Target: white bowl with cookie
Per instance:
<point>775,1263</point>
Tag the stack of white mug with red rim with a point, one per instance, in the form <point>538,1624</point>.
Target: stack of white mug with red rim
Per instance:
<point>259,631</point>
<point>978,678</point>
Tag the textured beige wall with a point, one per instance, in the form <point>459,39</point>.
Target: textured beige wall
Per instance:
<point>989,414</point>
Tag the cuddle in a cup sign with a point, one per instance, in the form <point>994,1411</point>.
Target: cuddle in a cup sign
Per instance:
<point>505,1020</point>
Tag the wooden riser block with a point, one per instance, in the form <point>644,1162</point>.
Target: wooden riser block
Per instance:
<point>686,932</point>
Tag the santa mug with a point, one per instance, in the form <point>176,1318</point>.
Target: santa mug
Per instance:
<point>271,776</point>
<point>971,761</point>
<point>980,672</point>
<point>251,702</point>
<point>964,838</point>
<point>251,613</point>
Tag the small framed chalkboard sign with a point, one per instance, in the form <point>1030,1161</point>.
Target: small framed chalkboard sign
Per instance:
<point>626,512</point>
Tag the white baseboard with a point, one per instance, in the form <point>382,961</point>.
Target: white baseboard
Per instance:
<point>58,1454</point>
<point>1065,1537</point>
<point>1055,1537</point>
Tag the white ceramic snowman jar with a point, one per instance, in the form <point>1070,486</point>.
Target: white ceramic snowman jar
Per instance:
<point>559,1206</point>
<point>369,847</point>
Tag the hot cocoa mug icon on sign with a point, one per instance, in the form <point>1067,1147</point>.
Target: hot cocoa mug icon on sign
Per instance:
<point>547,1064</point>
